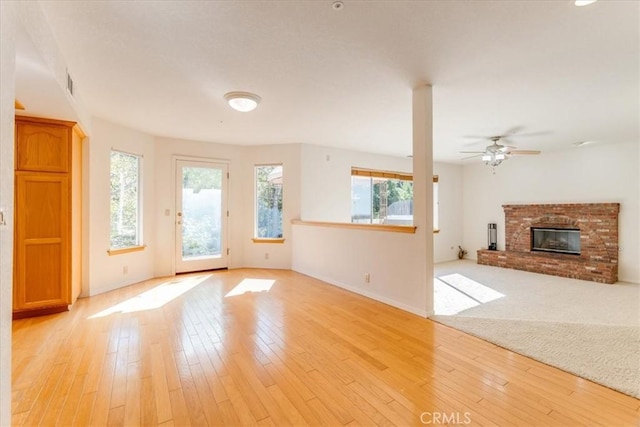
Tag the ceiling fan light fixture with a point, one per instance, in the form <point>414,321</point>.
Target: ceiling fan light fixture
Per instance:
<point>242,101</point>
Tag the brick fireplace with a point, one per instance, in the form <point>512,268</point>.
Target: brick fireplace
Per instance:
<point>597,259</point>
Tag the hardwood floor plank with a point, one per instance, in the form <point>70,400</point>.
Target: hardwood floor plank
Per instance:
<point>72,398</point>
<point>302,353</point>
<point>209,405</point>
<point>179,408</point>
<point>116,416</point>
<point>148,411</point>
<point>100,411</point>
<point>189,391</point>
<point>160,385</point>
<point>239,403</point>
<point>132,409</point>
<point>62,391</point>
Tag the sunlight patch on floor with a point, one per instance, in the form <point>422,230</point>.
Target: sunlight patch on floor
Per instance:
<point>155,297</point>
<point>455,293</point>
<point>251,285</point>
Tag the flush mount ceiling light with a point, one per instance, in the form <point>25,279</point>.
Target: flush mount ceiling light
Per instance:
<point>242,101</point>
<point>584,2</point>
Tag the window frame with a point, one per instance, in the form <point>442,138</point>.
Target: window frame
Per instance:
<point>436,205</point>
<point>139,245</point>
<point>402,176</point>
<point>256,238</point>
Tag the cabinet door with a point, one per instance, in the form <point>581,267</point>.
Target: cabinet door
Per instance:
<point>42,147</point>
<point>42,220</point>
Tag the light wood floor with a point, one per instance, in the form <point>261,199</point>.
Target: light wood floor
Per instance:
<point>303,352</point>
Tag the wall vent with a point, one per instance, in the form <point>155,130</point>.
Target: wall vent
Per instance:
<point>69,84</point>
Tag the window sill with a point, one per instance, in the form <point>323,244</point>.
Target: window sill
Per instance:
<point>121,251</point>
<point>267,240</point>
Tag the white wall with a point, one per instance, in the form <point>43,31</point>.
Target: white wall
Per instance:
<point>326,179</point>
<point>241,161</point>
<point>167,150</point>
<point>106,272</point>
<point>7,94</point>
<point>326,190</point>
<point>271,255</point>
<point>450,210</point>
<point>589,174</point>
<point>400,266</point>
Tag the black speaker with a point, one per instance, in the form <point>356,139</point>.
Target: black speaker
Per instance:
<point>492,236</point>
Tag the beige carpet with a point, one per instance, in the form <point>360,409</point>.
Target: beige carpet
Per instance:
<point>589,329</point>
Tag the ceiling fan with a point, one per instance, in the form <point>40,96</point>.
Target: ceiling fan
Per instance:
<point>496,153</point>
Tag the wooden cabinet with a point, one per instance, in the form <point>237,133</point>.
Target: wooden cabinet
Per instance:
<point>47,216</point>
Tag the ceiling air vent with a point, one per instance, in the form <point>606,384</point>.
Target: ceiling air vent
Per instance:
<point>69,84</point>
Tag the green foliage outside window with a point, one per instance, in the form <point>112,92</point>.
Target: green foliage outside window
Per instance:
<point>396,191</point>
<point>201,211</point>
<point>269,201</point>
<point>125,200</point>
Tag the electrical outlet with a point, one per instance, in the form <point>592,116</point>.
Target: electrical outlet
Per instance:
<point>125,270</point>
<point>367,278</point>
<point>266,255</point>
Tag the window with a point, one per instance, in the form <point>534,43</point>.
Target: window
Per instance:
<point>125,200</point>
<point>268,201</point>
<point>380,197</point>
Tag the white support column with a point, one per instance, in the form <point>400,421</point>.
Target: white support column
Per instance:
<point>423,185</point>
<point>7,120</point>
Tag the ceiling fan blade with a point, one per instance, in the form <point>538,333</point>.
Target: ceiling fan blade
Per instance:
<point>472,157</point>
<point>477,137</point>
<point>506,148</point>
<point>514,131</point>
<point>539,133</point>
<point>523,152</point>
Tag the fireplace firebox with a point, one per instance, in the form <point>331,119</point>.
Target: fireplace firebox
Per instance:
<point>556,240</point>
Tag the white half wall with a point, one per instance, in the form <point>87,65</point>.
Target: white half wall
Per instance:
<point>342,257</point>
<point>107,272</point>
<point>589,174</point>
<point>399,266</point>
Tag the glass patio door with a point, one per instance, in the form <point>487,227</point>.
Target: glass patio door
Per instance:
<point>201,216</point>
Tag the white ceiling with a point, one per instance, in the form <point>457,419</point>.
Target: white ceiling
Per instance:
<point>344,77</point>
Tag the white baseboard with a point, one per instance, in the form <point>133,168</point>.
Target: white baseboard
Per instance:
<point>379,298</point>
